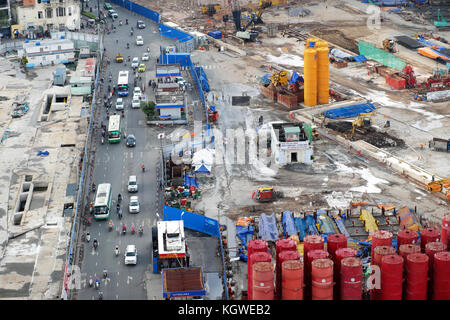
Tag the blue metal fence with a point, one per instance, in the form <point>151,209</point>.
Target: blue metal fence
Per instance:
<point>199,223</point>
<point>134,7</point>
<point>174,34</point>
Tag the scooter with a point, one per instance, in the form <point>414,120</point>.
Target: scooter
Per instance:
<point>100,295</point>
<point>91,281</point>
<point>123,114</point>
<point>103,140</point>
<point>120,214</point>
<point>116,251</point>
<point>131,32</point>
<point>105,273</point>
<point>124,229</point>
<point>95,245</point>
<point>126,21</point>
<point>88,237</point>
<point>132,229</point>
<point>141,230</point>
<point>97,283</point>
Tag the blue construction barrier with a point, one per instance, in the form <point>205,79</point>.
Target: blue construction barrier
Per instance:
<point>173,33</point>
<point>349,111</point>
<point>202,78</point>
<point>134,7</point>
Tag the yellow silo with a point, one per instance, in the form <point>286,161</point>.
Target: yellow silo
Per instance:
<point>323,73</point>
<point>310,76</point>
<point>313,40</point>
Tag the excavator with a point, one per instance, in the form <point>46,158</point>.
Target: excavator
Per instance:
<point>363,120</point>
<point>279,79</point>
<point>389,45</point>
<point>440,185</point>
<point>255,18</point>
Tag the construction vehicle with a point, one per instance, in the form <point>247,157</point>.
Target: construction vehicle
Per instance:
<point>119,57</point>
<point>169,245</point>
<point>438,185</point>
<point>266,194</point>
<point>362,121</point>
<point>255,18</point>
<point>389,45</point>
<point>279,79</point>
<point>211,9</point>
<point>441,23</point>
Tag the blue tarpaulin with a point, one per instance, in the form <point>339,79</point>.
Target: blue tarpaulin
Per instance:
<point>295,77</point>
<point>43,153</point>
<point>190,180</point>
<point>349,111</point>
<point>266,78</point>
<point>288,223</point>
<point>202,77</point>
<point>216,34</point>
<point>267,227</point>
<point>326,225</point>
<point>244,234</point>
<point>300,225</point>
<point>202,169</point>
<point>311,225</point>
<point>360,58</point>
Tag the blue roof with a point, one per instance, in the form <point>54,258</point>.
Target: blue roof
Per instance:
<point>349,111</point>
<point>202,169</point>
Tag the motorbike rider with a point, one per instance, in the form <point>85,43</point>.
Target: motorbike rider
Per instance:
<point>124,227</point>
<point>143,167</point>
<point>132,228</point>
<point>128,45</point>
<point>118,206</point>
<point>141,229</point>
<point>95,243</point>
<point>120,213</point>
<point>111,224</point>
<point>116,250</point>
<point>119,198</point>
<point>97,282</point>
<point>88,236</point>
<point>105,273</point>
<point>126,21</point>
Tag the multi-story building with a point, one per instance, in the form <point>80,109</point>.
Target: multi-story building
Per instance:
<point>5,16</point>
<point>47,52</point>
<point>37,17</point>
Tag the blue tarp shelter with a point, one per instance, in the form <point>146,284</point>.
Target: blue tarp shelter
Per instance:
<point>190,180</point>
<point>288,223</point>
<point>244,234</point>
<point>267,227</point>
<point>360,58</point>
<point>349,111</point>
<point>203,169</point>
<point>295,77</point>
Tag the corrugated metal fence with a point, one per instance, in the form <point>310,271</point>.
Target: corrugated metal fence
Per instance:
<point>143,11</point>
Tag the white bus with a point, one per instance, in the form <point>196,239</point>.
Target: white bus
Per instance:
<point>102,204</point>
<point>114,132</point>
<point>122,83</point>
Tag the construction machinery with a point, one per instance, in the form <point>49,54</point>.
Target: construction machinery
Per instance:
<point>441,23</point>
<point>438,185</point>
<point>389,45</point>
<point>254,18</point>
<point>211,9</point>
<point>279,79</point>
<point>362,121</point>
<point>266,194</point>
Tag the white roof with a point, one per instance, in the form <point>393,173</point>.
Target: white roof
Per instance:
<point>203,156</point>
<point>177,244</point>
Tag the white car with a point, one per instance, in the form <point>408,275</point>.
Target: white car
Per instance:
<point>131,254</point>
<point>135,62</point>
<point>181,82</point>
<point>137,92</point>
<point>139,41</point>
<point>133,206</point>
<point>145,57</point>
<point>132,184</point>
<point>119,104</point>
<point>136,102</point>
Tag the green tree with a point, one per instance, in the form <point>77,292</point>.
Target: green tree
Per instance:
<point>24,60</point>
<point>149,109</point>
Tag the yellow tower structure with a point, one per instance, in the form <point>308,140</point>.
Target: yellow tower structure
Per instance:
<point>310,75</point>
<point>323,73</point>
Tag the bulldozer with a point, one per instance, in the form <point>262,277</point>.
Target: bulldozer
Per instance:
<point>389,45</point>
<point>266,194</point>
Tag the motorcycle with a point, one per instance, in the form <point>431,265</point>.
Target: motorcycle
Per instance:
<point>126,21</point>
<point>116,251</point>
<point>97,283</point>
<point>120,22</point>
<point>111,225</point>
<point>131,32</point>
<point>93,187</point>
<point>148,49</point>
<point>128,45</point>
<point>100,295</point>
<point>95,244</point>
<point>123,114</point>
<point>88,237</point>
<point>91,281</point>
<point>103,140</point>
<point>141,230</point>
<point>132,229</point>
<point>120,214</point>
<point>105,273</point>
<point>119,198</point>
<point>124,229</point>
<point>143,168</point>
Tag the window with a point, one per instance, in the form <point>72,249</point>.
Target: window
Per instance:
<point>40,15</point>
<point>60,12</point>
<point>57,56</point>
<point>69,11</point>
<point>48,13</point>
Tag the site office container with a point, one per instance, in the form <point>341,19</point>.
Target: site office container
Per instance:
<point>395,81</point>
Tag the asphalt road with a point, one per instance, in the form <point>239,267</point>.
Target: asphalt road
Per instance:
<point>114,163</point>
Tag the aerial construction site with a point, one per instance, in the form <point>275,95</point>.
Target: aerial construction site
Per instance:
<point>354,99</point>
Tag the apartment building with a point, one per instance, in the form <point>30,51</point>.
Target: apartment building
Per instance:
<point>39,17</point>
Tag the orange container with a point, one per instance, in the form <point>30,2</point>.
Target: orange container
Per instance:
<point>292,280</point>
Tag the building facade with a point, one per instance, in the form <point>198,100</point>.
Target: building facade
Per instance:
<point>47,52</point>
<point>40,17</point>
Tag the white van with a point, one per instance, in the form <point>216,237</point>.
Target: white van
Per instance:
<point>132,184</point>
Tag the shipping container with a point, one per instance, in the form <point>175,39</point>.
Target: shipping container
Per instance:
<point>439,144</point>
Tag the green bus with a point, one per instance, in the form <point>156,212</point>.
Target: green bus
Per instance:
<point>114,132</point>
<point>108,6</point>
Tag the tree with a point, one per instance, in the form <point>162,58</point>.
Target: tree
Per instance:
<point>149,109</point>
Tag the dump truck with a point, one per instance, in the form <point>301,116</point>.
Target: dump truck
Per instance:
<point>438,144</point>
<point>266,194</point>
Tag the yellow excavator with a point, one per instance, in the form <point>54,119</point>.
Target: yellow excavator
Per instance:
<point>363,120</point>
<point>439,186</point>
<point>389,45</point>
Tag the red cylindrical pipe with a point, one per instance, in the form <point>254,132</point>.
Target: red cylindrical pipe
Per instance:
<point>351,279</point>
<point>391,277</point>
<point>381,238</point>
<point>381,251</point>
<point>308,259</point>
<point>263,256</point>
<point>441,276</point>
<point>406,249</point>
<point>406,237</point>
<point>430,249</point>
<point>281,246</point>
<point>292,280</point>
<point>341,254</point>
<point>282,257</point>
<point>445,230</point>
<point>322,279</point>
<point>416,276</point>
<point>263,281</point>
<point>335,241</point>
<point>429,235</point>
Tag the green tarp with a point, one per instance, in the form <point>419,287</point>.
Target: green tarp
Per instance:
<point>371,52</point>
